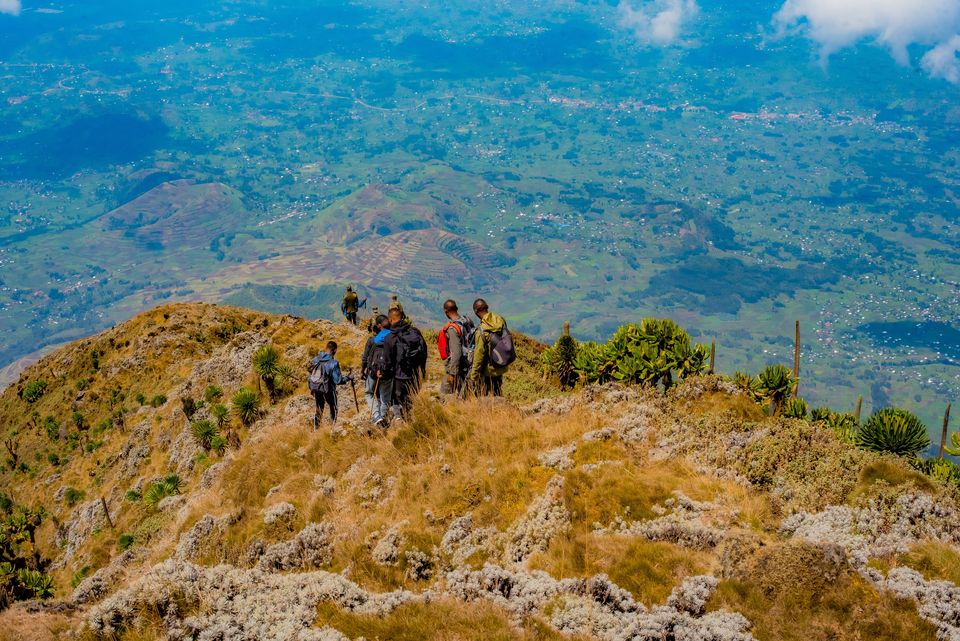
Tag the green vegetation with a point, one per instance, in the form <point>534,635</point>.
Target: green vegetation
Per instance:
<point>651,352</point>
<point>212,394</point>
<point>219,413</point>
<point>775,384</point>
<point>560,361</point>
<point>204,432</point>
<point>158,400</point>
<point>21,564</point>
<point>125,541</point>
<point>795,408</point>
<point>160,490</point>
<point>893,430</point>
<point>246,405</point>
<point>34,390</point>
<point>72,496</point>
<point>268,365</point>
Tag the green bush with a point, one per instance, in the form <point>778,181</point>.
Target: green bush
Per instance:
<point>246,405</point>
<point>124,542</point>
<point>204,432</point>
<point>158,400</point>
<point>795,408</point>
<point>33,391</point>
<point>219,413</point>
<point>72,496</point>
<point>775,385</point>
<point>133,496</point>
<point>212,393</point>
<point>36,584</point>
<point>160,490</point>
<point>893,430</point>
<point>140,398</point>
<point>560,361</point>
<point>218,444</point>
<point>941,469</point>
<point>268,365</point>
<point>652,352</point>
<point>52,428</point>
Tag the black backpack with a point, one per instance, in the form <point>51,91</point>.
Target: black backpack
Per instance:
<point>411,350</point>
<point>502,351</point>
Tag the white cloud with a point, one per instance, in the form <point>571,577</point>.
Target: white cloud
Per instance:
<point>10,6</point>
<point>658,22</point>
<point>942,61</point>
<point>893,24</point>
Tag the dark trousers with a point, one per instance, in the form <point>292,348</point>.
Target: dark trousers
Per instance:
<point>403,392</point>
<point>351,317</point>
<point>322,398</point>
<point>491,386</point>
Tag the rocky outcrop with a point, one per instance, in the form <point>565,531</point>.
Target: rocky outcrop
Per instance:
<point>239,604</point>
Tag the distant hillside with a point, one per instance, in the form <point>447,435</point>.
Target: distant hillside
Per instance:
<point>162,504</point>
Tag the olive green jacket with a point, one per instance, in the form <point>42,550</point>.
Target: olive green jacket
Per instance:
<point>481,354</point>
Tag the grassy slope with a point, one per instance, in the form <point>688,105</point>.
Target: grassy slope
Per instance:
<point>477,456</point>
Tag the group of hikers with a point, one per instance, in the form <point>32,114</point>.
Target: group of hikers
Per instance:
<point>394,362</point>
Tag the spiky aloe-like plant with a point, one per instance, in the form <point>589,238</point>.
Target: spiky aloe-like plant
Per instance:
<point>246,405</point>
<point>156,492</point>
<point>219,413</point>
<point>560,360</point>
<point>954,448</point>
<point>270,368</point>
<point>204,432</point>
<point>795,408</point>
<point>775,384</point>
<point>893,430</point>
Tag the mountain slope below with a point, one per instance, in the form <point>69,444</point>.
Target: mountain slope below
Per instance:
<point>610,512</point>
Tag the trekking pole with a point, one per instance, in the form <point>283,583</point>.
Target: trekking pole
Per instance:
<point>353,386</point>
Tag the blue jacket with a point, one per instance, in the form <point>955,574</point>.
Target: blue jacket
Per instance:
<point>332,366</point>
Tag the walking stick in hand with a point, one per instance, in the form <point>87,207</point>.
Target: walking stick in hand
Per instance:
<point>353,385</point>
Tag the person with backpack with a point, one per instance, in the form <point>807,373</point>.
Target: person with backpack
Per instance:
<point>455,344</point>
<point>395,304</point>
<point>405,361</point>
<point>378,390</point>
<point>324,378</point>
<point>494,351</point>
<point>350,305</point>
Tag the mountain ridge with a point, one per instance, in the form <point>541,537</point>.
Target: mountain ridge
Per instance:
<point>609,512</point>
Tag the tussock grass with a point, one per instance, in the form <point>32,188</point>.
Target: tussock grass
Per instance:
<point>437,621</point>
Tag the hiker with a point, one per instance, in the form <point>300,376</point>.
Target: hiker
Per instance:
<point>378,391</point>
<point>405,360</point>
<point>324,378</point>
<point>493,354</point>
<point>350,305</point>
<point>395,304</point>
<point>372,325</point>
<point>455,342</point>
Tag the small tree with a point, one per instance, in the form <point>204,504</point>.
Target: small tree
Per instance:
<point>775,384</point>
<point>269,367</point>
<point>204,432</point>
<point>246,406</point>
<point>219,413</point>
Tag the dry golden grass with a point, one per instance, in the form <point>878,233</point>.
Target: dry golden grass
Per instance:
<point>934,561</point>
<point>437,621</point>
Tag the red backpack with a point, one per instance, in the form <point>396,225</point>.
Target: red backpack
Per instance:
<point>464,328</point>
